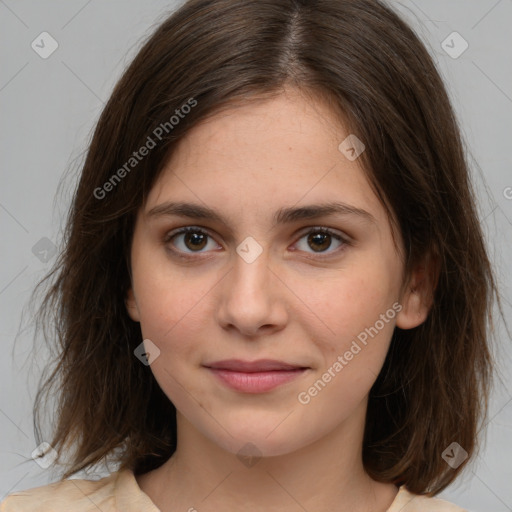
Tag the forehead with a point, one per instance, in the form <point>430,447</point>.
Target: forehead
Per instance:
<point>256,158</point>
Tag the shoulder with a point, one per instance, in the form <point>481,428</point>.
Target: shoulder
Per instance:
<point>77,495</point>
<point>408,502</point>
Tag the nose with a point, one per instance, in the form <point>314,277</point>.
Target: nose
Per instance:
<point>252,298</point>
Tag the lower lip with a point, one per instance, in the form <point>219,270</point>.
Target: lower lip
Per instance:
<point>257,382</point>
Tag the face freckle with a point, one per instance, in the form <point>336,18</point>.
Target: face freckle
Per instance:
<point>286,302</point>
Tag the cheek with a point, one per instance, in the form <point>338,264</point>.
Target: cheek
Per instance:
<point>171,303</point>
<point>350,360</point>
<point>173,316</point>
<point>354,318</point>
<point>349,300</point>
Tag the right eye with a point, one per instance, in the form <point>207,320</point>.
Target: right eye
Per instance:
<point>188,240</point>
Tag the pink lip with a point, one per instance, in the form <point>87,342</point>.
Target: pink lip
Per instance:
<point>261,365</point>
<point>256,376</point>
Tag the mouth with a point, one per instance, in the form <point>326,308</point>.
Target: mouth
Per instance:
<point>255,376</point>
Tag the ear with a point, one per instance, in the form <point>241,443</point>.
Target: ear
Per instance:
<point>418,294</point>
<point>131,306</point>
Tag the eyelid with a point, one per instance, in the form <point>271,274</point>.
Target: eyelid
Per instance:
<point>341,235</point>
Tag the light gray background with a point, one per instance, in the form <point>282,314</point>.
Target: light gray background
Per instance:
<point>49,107</point>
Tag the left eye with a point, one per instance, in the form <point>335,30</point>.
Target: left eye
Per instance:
<point>322,239</point>
<point>191,240</point>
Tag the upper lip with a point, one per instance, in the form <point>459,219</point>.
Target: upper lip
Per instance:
<point>261,365</point>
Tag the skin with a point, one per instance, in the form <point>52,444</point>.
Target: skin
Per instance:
<point>298,302</point>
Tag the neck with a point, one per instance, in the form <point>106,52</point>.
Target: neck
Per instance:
<point>325,475</point>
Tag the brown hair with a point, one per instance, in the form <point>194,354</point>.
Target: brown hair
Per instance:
<point>434,385</point>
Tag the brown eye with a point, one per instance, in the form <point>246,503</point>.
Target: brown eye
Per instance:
<point>189,240</point>
<point>319,240</point>
<point>195,241</point>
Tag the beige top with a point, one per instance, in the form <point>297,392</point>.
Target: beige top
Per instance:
<point>120,492</point>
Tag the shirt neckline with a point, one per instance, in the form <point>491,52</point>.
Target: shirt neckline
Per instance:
<point>129,497</point>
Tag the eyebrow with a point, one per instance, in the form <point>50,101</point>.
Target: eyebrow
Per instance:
<point>282,216</point>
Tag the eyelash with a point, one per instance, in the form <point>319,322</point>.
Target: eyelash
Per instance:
<point>192,229</point>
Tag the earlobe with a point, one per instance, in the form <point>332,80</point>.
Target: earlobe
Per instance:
<point>414,310</point>
<point>131,306</point>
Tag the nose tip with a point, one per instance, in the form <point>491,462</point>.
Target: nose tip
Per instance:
<point>249,299</point>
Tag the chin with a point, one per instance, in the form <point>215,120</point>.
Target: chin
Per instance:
<point>259,440</point>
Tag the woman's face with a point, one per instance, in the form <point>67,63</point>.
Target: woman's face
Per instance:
<point>255,279</point>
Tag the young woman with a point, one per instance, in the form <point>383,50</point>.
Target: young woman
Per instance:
<point>274,293</point>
